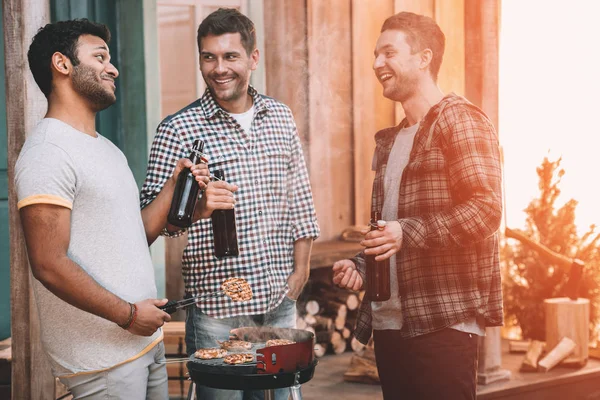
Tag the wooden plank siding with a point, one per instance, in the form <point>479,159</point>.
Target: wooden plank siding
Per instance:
<point>371,111</point>
<point>330,110</point>
<point>449,14</point>
<point>482,27</point>
<point>4,234</point>
<point>345,101</point>
<point>31,377</point>
<point>286,59</point>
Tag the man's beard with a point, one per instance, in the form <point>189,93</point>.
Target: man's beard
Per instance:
<point>87,83</point>
<point>238,91</point>
<point>403,89</point>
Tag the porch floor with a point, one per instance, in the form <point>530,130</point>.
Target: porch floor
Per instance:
<point>559,384</point>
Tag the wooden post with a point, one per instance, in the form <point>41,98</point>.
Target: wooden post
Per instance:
<point>25,106</point>
<point>481,88</point>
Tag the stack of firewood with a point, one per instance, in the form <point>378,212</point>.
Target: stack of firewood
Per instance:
<point>330,313</point>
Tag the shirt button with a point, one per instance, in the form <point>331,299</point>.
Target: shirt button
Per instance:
<point>256,181</point>
<point>259,212</point>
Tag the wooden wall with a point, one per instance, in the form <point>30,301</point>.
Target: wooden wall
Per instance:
<point>330,110</point>
<point>26,105</point>
<point>328,81</point>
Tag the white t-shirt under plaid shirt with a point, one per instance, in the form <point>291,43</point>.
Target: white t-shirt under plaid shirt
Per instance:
<point>274,205</point>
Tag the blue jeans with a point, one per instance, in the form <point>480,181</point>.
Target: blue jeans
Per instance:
<point>144,378</point>
<point>203,331</point>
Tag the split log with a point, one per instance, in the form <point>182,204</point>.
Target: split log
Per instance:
<point>338,344</point>
<point>337,311</point>
<point>326,291</point>
<point>530,362</point>
<point>563,349</point>
<point>312,307</point>
<point>348,298</point>
<point>352,302</point>
<point>519,346</point>
<point>310,319</point>
<point>323,336</point>
<point>351,320</point>
<point>310,329</point>
<point>320,349</point>
<point>300,322</point>
<point>346,333</point>
<point>322,323</point>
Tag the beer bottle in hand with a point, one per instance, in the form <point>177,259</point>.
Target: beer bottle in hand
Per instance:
<point>223,225</point>
<point>186,192</point>
<point>378,272</point>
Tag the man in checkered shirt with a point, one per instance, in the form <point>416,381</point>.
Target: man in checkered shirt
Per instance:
<point>438,186</point>
<point>253,138</point>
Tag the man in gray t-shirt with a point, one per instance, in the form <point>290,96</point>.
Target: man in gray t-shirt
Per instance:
<point>86,238</point>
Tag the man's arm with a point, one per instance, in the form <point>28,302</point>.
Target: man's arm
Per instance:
<point>298,278</point>
<point>47,235</point>
<point>154,215</point>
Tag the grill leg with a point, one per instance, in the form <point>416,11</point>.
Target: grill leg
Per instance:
<point>269,394</point>
<point>295,392</point>
<point>192,391</point>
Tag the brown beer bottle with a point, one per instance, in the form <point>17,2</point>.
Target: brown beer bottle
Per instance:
<point>378,272</point>
<point>186,192</point>
<point>223,226</point>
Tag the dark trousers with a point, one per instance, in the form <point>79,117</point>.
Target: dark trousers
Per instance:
<point>440,365</point>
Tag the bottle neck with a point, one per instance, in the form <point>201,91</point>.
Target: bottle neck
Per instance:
<point>375,216</point>
<point>195,156</point>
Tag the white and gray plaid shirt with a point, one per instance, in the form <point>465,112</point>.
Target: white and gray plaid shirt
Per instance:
<point>274,205</point>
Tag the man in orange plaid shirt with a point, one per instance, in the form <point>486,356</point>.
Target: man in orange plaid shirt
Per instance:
<point>438,186</point>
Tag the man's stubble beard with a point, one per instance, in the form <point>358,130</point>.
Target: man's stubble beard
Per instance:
<point>403,90</point>
<point>241,88</point>
<point>87,83</point>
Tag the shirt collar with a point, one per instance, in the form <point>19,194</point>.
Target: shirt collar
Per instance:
<point>212,108</point>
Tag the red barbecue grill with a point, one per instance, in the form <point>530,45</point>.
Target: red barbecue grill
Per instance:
<point>274,367</point>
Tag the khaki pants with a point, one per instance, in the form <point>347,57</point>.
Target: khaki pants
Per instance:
<point>144,378</point>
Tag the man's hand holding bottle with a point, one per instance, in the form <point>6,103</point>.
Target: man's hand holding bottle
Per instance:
<point>217,196</point>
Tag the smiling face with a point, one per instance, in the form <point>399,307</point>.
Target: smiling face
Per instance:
<point>226,69</point>
<point>396,66</point>
<point>94,77</point>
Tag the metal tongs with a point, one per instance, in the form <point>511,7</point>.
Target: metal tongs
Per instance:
<point>235,288</point>
<point>174,305</point>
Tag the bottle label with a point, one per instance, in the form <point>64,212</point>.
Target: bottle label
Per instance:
<point>201,156</point>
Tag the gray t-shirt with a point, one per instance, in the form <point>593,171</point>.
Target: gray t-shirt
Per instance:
<point>388,314</point>
<point>62,166</point>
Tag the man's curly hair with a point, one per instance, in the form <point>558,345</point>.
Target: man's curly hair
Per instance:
<point>59,37</point>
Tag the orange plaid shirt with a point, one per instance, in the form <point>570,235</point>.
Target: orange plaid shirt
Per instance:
<point>450,208</point>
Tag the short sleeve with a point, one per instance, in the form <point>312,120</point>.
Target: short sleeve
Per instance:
<point>45,174</point>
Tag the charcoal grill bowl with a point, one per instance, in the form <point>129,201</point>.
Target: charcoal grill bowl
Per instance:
<point>298,360</point>
<point>245,377</point>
